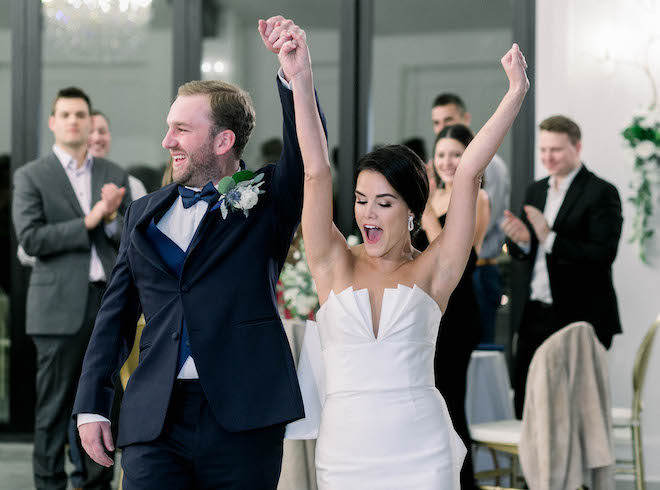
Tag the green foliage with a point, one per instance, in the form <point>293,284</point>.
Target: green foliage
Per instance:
<point>643,136</point>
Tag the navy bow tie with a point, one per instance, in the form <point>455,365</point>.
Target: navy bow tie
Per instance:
<point>190,197</point>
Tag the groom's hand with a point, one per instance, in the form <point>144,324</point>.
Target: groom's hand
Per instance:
<point>275,33</point>
<point>96,438</point>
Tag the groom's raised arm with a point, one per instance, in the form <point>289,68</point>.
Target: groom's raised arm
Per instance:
<point>288,174</point>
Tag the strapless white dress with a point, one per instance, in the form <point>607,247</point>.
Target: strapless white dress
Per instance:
<point>383,424</point>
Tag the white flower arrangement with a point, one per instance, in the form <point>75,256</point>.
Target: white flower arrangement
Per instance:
<point>643,136</point>
<point>239,192</point>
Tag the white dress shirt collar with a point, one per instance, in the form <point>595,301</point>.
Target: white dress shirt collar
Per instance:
<point>565,183</point>
<point>70,163</point>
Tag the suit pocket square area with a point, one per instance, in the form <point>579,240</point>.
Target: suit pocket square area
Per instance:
<point>258,322</point>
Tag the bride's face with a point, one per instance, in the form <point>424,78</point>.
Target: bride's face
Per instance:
<point>380,212</point>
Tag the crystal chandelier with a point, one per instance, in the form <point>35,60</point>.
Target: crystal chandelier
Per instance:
<point>95,30</point>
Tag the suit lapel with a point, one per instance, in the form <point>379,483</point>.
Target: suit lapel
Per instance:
<point>98,179</point>
<point>159,205</point>
<point>541,196</point>
<point>61,181</point>
<point>572,195</point>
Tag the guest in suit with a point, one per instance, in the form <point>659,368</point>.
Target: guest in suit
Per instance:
<point>215,383</point>
<point>450,109</point>
<point>67,212</point>
<point>568,236</point>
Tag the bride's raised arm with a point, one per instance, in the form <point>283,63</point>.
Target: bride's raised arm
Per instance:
<point>324,243</point>
<point>449,253</point>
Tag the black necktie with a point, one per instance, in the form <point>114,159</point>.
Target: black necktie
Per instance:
<point>190,197</point>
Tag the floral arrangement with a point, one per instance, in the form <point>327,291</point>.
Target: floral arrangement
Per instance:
<point>239,192</point>
<point>296,290</point>
<point>643,136</point>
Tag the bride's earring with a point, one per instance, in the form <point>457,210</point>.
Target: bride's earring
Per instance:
<point>411,225</point>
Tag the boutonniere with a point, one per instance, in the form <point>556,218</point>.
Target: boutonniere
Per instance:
<point>240,191</point>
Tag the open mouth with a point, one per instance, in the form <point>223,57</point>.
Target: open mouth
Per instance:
<point>177,160</point>
<point>372,233</point>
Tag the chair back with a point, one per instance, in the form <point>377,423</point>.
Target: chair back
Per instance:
<point>640,366</point>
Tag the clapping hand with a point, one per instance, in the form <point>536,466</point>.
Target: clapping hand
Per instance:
<point>514,228</point>
<point>289,42</point>
<point>514,65</point>
<point>538,222</point>
<point>113,196</point>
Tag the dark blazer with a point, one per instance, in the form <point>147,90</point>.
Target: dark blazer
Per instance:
<point>588,227</point>
<point>226,294</point>
<point>50,225</point>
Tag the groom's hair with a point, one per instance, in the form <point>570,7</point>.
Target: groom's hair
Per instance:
<point>231,108</point>
<point>562,124</point>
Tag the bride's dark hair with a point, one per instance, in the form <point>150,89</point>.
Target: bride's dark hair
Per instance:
<point>405,172</point>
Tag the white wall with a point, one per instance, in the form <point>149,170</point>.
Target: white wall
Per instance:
<point>602,97</point>
<point>409,71</point>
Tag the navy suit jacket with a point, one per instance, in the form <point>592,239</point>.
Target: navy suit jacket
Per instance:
<point>588,227</point>
<point>226,293</point>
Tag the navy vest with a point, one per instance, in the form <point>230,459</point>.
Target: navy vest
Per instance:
<point>174,258</point>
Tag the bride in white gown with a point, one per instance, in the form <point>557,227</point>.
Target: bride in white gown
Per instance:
<point>383,423</point>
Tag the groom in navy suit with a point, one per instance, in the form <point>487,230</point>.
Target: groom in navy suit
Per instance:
<point>216,384</point>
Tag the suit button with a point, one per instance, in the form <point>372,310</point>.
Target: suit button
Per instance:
<point>185,288</point>
<point>175,336</point>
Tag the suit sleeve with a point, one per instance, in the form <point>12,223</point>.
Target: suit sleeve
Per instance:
<point>113,335</point>
<point>288,174</point>
<point>603,223</point>
<point>33,231</point>
<point>123,207</point>
<point>514,250</point>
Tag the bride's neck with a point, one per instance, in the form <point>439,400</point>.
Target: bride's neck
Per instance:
<point>393,259</point>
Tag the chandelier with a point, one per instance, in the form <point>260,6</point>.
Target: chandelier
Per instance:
<point>95,30</point>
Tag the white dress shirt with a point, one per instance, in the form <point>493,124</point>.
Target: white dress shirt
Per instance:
<point>540,285</point>
<point>81,181</point>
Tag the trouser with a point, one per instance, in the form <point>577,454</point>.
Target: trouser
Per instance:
<point>195,452</point>
<point>488,291</point>
<point>59,362</point>
<point>539,321</point>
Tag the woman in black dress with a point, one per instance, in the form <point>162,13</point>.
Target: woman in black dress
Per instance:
<point>460,327</point>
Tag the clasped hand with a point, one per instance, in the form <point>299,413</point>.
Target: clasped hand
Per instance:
<point>111,198</point>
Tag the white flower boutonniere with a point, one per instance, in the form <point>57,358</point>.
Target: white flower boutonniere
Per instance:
<point>240,191</point>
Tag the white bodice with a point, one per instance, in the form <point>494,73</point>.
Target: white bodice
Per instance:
<point>400,357</point>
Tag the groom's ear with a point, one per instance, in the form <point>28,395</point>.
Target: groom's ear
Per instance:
<point>223,142</point>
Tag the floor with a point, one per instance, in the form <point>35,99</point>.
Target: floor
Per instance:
<point>16,469</point>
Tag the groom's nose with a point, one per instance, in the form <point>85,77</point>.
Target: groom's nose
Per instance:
<point>168,141</point>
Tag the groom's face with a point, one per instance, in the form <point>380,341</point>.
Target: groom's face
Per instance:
<point>189,142</point>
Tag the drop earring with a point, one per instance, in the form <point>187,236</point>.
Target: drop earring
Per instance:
<point>411,225</point>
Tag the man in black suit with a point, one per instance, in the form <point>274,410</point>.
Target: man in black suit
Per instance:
<point>568,237</point>
<point>67,211</point>
<point>216,383</point>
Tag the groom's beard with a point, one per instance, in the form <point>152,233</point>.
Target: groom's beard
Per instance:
<point>201,169</point>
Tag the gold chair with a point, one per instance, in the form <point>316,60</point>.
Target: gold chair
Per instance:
<point>627,422</point>
<point>502,436</point>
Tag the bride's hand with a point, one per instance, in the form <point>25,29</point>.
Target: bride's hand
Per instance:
<point>514,65</point>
